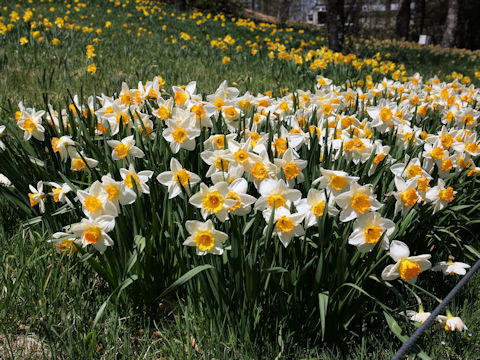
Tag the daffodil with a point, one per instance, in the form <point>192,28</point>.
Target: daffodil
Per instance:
<point>237,190</point>
<point>407,267</point>
<point>181,135</point>
<point>94,231</point>
<point>421,316</point>
<point>287,225</point>
<point>451,267</point>
<point>31,123</point>
<point>452,323</point>
<point>357,201</point>
<point>291,166</point>
<point>440,196</point>
<point>140,179</point>
<point>37,196</point>
<point>118,192</point>
<point>4,181</point>
<point>314,207</point>
<point>60,145</point>
<point>276,194</point>
<point>125,148</point>
<point>219,160</point>
<point>335,181</point>
<point>213,200</point>
<point>406,195</point>
<point>95,202</point>
<point>79,163</point>
<point>2,130</point>
<point>177,178</point>
<point>368,229</point>
<point>59,193</point>
<point>383,115</point>
<point>65,242</point>
<point>204,237</point>
<point>409,169</point>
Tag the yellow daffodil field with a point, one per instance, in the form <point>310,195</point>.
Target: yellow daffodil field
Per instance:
<point>240,171</point>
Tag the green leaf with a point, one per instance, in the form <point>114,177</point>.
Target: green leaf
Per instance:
<point>322,305</point>
<point>184,278</point>
<point>472,250</point>
<point>100,312</point>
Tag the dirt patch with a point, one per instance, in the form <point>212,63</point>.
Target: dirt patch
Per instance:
<point>24,347</point>
<point>260,16</point>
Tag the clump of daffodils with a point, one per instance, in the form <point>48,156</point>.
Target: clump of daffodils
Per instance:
<point>296,160</point>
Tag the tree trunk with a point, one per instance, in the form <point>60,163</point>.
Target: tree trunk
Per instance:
<point>285,10</point>
<point>448,39</point>
<point>388,14</point>
<point>402,24</point>
<point>421,14</point>
<point>180,5</point>
<point>335,23</point>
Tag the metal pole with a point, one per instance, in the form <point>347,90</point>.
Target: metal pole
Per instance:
<point>406,346</point>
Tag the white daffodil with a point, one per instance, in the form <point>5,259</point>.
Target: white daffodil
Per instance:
<point>95,202</point>
<point>118,192</point>
<point>420,316</point>
<point>409,169</point>
<point>37,196</point>
<point>231,115</point>
<point>434,154</point>
<point>79,163</point>
<point>237,191</point>
<point>406,195</point>
<point>440,196</point>
<point>2,130</point>
<point>292,167</point>
<point>125,148</point>
<point>65,242</point>
<point>94,231</point>
<point>242,155</point>
<point>59,193</point>
<point>368,229</point>
<point>141,178</point>
<point>213,200</point>
<point>219,160</point>
<point>177,178</point>
<point>165,108</point>
<point>276,193</point>
<point>334,181</point>
<point>263,169</point>
<point>451,267</point>
<point>31,123</point>
<point>452,323</point>
<point>218,141</point>
<point>314,206</point>
<point>234,172</point>
<point>204,237</point>
<point>113,115</point>
<point>357,149</point>
<point>4,181</point>
<point>287,225</point>
<point>184,93</point>
<point>181,135</point>
<point>383,115</point>
<point>203,112</point>
<point>407,267</point>
<point>60,145</point>
<point>357,201</point>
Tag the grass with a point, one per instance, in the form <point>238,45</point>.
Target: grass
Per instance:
<point>53,300</point>
<point>49,301</point>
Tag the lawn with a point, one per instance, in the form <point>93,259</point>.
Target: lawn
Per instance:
<point>312,188</point>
